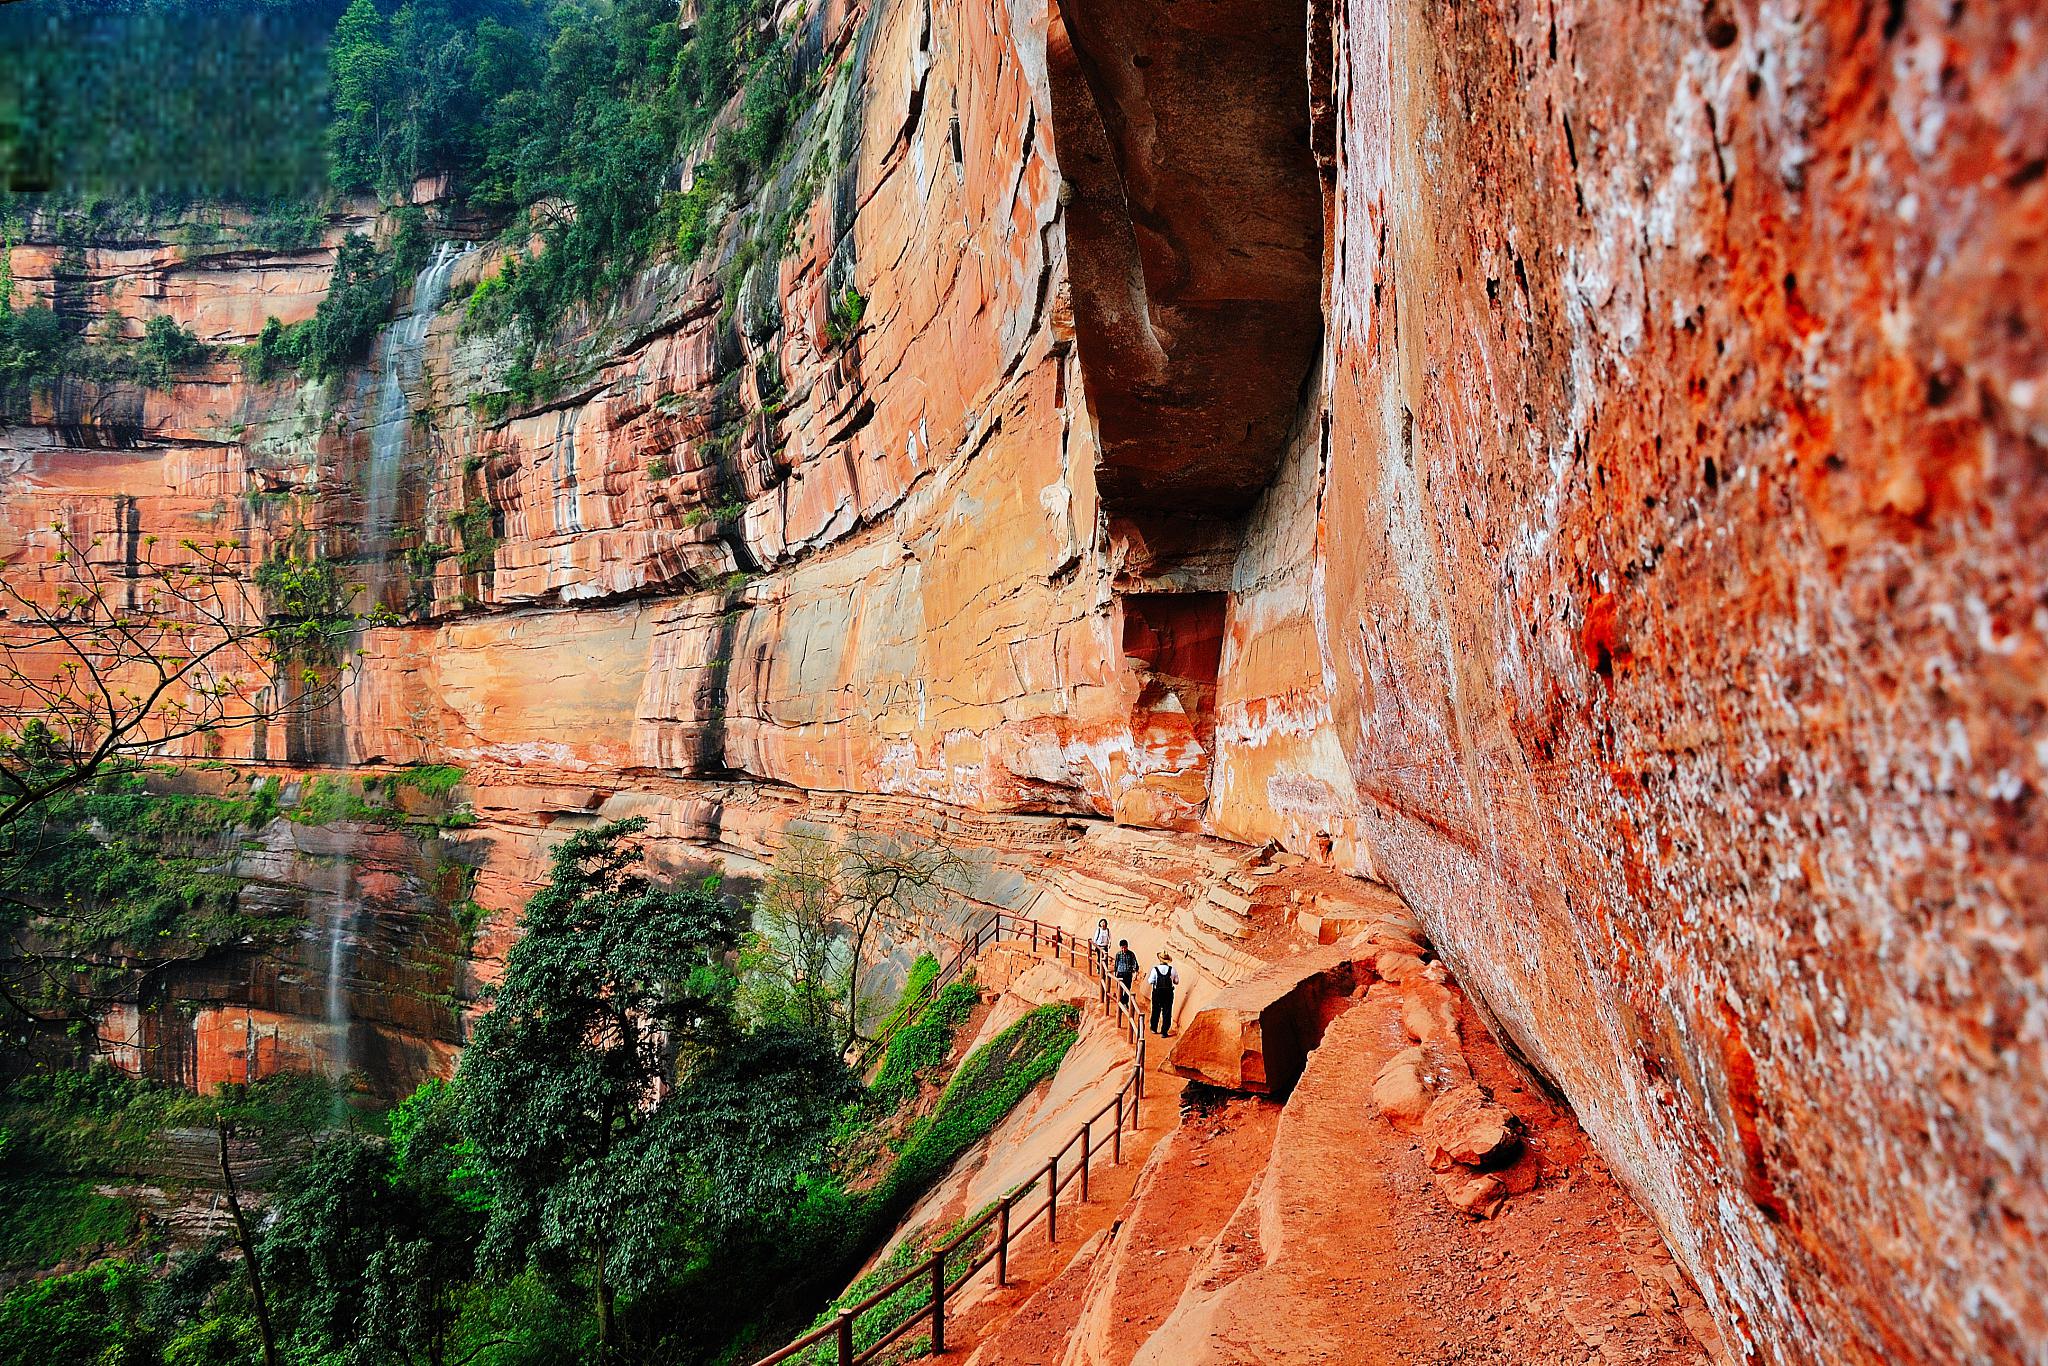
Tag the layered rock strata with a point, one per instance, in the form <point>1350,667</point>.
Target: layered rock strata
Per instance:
<point>1580,468</point>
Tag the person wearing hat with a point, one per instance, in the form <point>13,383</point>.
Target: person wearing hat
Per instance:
<point>1163,978</point>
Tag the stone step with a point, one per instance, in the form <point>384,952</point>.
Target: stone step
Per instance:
<point>1209,953</point>
<point>1222,921</point>
<point>1230,901</point>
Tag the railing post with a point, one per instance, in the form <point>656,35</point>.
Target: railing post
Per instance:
<point>1141,1074</point>
<point>1116,1141</point>
<point>1003,1243</point>
<point>939,1302</point>
<point>846,1340</point>
<point>1087,1147</point>
<point>1052,1199</point>
<point>1034,937</point>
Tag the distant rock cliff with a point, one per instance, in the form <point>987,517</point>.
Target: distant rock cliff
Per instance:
<point>1585,467</point>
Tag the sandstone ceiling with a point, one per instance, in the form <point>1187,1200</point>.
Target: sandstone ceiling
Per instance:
<point>1583,465</point>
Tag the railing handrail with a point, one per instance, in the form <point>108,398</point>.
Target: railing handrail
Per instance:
<point>1117,999</point>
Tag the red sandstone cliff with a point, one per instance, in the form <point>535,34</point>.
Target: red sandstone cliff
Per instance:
<point>1581,466</point>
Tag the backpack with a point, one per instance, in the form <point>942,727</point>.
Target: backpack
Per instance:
<point>1161,978</point>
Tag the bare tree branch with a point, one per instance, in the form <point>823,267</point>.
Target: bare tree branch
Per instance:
<point>189,647</point>
<point>822,912</point>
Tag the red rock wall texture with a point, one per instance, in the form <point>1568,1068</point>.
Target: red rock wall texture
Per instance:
<point>1677,596</point>
<point>1583,465</point>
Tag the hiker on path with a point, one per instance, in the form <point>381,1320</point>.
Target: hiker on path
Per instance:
<point>1163,978</point>
<point>1102,940</point>
<point>1125,967</point>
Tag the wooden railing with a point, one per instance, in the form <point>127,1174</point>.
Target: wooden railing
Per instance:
<point>955,1262</point>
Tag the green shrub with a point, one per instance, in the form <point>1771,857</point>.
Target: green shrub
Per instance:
<point>691,212</point>
<point>44,1220</point>
<point>358,300</point>
<point>479,535</point>
<point>307,604</point>
<point>36,348</point>
<point>87,1317</point>
<point>490,303</point>
<point>843,319</point>
<point>277,350</point>
<point>992,1080</point>
<point>356,306</point>
<point>165,349</point>
<point>764,110</point>
<point>922,1046</point>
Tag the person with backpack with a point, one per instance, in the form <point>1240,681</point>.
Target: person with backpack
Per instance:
<point>1100,952</point>
<point>1163,978</point>
<point>1125,967</point>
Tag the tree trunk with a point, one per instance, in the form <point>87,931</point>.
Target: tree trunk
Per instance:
<point>863,924</point>
<point>604,1311</point>
<point>249,1263</point>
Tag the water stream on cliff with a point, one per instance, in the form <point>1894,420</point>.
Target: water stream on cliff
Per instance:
<point>401,363</point>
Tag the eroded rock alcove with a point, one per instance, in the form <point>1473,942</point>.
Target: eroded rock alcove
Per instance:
<point>1578,471</point>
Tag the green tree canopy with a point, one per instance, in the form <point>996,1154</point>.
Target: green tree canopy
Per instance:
<point>612,980</point>
<point>365,1248</point>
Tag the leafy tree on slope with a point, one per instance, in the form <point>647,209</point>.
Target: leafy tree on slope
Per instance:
<point>613,978</point>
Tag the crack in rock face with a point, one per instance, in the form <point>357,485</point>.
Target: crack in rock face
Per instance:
<point>1569,480</point>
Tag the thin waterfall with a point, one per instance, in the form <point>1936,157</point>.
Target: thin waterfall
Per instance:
<point>401,361</point>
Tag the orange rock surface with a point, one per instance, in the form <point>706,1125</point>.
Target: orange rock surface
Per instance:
<point>1582,469</point>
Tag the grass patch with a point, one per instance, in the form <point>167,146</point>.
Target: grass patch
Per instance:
<point>840,1227</point>
<point>917,987</point>
<point>325,800</point>
<point>328,798</point>
<point>44,1220</point>
<point>429,780</point>
<point>918,1049</point>
<point>992,1080</point>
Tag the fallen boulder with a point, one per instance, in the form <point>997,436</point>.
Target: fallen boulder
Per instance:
<point>1400,1091</point>
<point>1479,1196</point>
<point>1429,1012</point>
<point>1464,1127</point>
<point>1256,1036</point>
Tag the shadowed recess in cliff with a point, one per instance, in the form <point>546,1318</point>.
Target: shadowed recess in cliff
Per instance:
<point>1194,235</point>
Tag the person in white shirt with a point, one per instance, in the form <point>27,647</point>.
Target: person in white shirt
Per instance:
<point>1102,941</point>
<point>1163,978</point>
